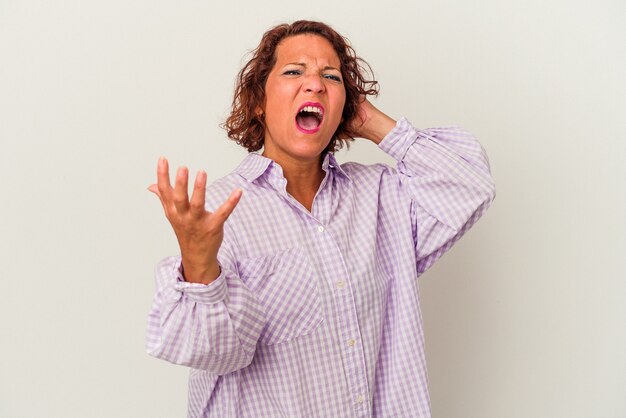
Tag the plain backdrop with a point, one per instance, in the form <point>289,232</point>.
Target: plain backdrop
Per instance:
<point>525,317</point>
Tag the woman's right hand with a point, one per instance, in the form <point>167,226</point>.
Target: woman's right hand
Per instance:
<point>199,232</point>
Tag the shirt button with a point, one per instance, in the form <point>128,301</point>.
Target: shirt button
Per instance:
<point>351,342</point>
<point>340,284</point>
<point>320,228</point>
<point>360,399</point>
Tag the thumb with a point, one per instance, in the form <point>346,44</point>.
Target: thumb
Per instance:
<point>224,211</point>
<point>154,189</point>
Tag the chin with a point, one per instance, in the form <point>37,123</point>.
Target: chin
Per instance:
<point>309,154</point>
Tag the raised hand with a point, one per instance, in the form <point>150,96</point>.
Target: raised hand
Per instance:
<point>370,123</point>
<point>199,232</point>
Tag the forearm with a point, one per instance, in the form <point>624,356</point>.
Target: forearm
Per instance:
<point>444,170</point>
<point>214,327</point>
<point>443,173</point>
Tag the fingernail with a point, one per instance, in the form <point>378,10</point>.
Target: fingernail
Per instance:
<point>198,177</point>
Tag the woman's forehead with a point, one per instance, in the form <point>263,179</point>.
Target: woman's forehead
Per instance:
<point>305,48</point>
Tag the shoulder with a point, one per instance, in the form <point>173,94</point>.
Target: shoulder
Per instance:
<point>366,173</point>
<point>243,177</point>
<point>218,191</point>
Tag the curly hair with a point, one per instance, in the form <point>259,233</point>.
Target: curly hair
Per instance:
<point>246,125</point>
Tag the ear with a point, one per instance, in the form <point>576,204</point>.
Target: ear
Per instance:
<point>259,111</point>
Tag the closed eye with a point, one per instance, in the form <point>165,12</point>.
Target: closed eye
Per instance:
<point>292,72</point>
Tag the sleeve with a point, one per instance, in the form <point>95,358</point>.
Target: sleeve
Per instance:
<point>446,174</point>
<point>212,327</point>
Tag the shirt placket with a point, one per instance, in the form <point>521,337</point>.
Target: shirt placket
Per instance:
<point>336,273</point>
<point>338,278</point>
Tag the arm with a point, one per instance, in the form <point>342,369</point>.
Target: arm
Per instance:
<point>444,172</point>
<point>203,316</point>
<point>212,327</point>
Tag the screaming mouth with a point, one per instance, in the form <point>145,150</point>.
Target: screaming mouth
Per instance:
<point>309,118</point>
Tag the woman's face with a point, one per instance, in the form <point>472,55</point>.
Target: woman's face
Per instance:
<point>304,99</point>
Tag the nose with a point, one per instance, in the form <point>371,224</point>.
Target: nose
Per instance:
<point>313,83</point>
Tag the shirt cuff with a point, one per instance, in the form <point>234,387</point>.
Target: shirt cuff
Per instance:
<point>211,293</point>
<point>398,141</point>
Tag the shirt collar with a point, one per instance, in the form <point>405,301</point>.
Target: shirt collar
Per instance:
<point>255,165</point>
<point>331,163</point>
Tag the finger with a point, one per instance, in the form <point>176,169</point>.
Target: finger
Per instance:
<point>198,195</point>
<point>154,189</point>
<point>180,196</point>
<point>163,179</point>
<point>223,212</point>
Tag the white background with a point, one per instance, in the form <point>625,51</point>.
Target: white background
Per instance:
<point>525,317</point>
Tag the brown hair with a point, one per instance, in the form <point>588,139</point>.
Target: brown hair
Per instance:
<point>247,127</point>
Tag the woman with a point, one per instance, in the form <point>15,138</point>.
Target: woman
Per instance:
<point>304,300</point>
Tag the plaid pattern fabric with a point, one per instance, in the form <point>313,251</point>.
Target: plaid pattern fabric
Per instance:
<point>317,313</point>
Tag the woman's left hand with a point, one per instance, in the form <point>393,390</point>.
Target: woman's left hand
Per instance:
<point>370,123</point>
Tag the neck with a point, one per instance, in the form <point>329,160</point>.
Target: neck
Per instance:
<point>303,179</point>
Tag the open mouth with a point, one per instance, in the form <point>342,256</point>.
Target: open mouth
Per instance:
<point>309,117</point>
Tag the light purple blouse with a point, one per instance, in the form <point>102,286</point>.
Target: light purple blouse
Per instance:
<point>317,313</point>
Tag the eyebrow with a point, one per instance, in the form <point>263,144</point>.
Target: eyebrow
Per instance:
<point>301,64</point>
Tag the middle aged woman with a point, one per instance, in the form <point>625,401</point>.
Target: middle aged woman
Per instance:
<point>304,300</point>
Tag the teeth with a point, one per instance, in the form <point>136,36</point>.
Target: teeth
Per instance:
<point>311,109</point>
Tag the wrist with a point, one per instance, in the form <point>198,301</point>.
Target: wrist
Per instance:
<point>378,127</point>
<point>195,273</point>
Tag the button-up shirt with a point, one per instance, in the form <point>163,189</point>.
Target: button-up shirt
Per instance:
<point>317,313</point>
